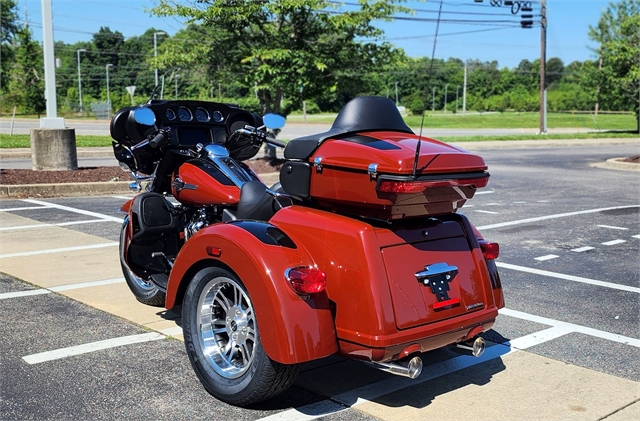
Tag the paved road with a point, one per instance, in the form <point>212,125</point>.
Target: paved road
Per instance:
<point>566,347</point>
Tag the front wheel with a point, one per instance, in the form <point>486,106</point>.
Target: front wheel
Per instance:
<point>145,291</point>
<point>223,341</point>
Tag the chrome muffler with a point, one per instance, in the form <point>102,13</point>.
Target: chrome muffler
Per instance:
<point>474,345</point>
<point>411,368</point>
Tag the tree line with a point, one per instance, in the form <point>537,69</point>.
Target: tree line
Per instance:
<point>272,56</point>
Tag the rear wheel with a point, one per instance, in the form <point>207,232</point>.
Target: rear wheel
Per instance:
<point>223,341</point>
<point>145,291</point>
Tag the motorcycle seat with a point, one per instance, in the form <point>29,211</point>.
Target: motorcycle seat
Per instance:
<point>361,114</point>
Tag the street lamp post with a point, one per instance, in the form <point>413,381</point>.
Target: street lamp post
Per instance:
<point>433,99</point>
<point>155,49</point>
<point>457,87</point>
<point>81,50</point>
<point>108,97</point>
<point>445,96</point>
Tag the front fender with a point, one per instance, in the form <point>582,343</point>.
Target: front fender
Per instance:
<point>292,330</point>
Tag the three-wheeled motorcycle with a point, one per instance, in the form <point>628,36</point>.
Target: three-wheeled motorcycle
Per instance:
<point>358,251</point>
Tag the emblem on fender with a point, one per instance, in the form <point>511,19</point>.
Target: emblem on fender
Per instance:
<point>437,277</point>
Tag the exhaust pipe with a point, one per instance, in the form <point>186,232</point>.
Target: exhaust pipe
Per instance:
<point>411,368</point>
<point>474,345</point>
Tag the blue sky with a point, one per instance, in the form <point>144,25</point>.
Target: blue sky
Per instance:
<point>567,38</point>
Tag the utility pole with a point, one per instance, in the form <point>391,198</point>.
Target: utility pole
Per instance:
<point>446,85</point>
<point>108,96</point>
<point>543,61</point>
<point>464,91</point>
<point>81,50</point>
<point>433,101</point>
<point>51,121</point>
<point>155,50</point>
<point>396,93</point>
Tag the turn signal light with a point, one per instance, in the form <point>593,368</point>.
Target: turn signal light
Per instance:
<point>490,251</point>
<point>306,280</point>
<point>403,187</point>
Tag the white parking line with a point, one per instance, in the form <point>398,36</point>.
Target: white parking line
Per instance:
<point>60,288</point>
<point>613,242</point>
<point>568,277</point>
<point>91,347</point>
<point>636,236</point>
<point>60,224</point>
<point>558,215</point>
<point>485,211</point>
<point>581,249</point>
<point>547,257</point>
<point>485,192</point>
<point>25,208</point>
<point>63,249</point>
<point>74,210</point>
<point>612,227</point>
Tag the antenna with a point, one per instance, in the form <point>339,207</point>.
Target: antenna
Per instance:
<point>433,53</point>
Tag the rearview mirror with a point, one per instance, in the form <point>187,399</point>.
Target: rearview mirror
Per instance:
<point>144,116</point>
<point>273,121</point>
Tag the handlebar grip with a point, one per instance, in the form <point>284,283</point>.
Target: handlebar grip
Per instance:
<point>157,139</point>
<point>275,142</point>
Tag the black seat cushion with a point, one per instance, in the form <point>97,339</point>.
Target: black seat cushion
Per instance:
<point>365,113</point>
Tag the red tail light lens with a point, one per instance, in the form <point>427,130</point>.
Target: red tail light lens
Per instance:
<point>306,280</point>
<point>490,251</point>
<point>403,187</point>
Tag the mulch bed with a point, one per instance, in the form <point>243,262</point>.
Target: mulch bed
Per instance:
<point>634,159</point>
<point>97,174</point>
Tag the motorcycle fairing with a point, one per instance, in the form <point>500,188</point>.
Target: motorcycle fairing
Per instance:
<point>292,329</point>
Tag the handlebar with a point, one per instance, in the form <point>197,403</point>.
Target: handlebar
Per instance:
<point>275,142</point>
<point>157,140</point>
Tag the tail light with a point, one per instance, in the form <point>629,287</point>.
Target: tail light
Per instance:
<point>404,186</point>
<point>306,280</point>
<point>490,251</point>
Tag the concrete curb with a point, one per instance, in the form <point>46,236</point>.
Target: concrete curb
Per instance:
<point>616,164</point>
<point>64,189</point>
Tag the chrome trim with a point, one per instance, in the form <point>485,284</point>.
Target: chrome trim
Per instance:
<point>411,368</point>
<point>180,185</point>
<point>141,283</point>
<point>317,162</point>
<point>434,270</point>
<point>219,155</point>
<point>373,171</point>
<point>475,346</point>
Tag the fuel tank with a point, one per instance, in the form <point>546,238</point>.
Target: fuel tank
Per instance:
<point>200,182</point>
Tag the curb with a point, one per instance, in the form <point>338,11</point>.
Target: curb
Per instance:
<point>64,189</point>
<point>616,164</point>
<point>86,189</point>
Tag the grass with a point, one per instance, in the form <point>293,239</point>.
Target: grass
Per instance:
<point>23,141</point>
<point>507,120</point>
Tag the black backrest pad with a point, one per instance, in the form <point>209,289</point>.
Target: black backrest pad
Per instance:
<point>365,113</point>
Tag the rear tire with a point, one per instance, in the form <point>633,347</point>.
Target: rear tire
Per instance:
<point>223,341</point>
<point>145,291</point>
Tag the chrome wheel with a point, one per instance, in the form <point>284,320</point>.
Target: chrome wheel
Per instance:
<point>226,327</point>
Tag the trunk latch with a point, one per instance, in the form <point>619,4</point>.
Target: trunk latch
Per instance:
<point>437,277</point>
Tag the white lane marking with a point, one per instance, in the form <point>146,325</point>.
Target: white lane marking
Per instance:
<point>91,347</point>
<point>636,236</point>
<point>491,204</point>
<point>519,203</point>
<point>123,197</point>
<point>547,257</point>
<point>612,227</point>
<point>484,211</point>
<point>19,294</point>
<point>63,249</point>
<point>539,337</point>
<point>613,242</point>
<point>60,288</point>
<point>581,249</point>
<point>75,210</point>
<point>558,215</point>
<point>572,327</point>
<point>568,277</point>
<point>25,208</point>
<point>542,201</point>
<point>485,192</point>
<point>60,224</point>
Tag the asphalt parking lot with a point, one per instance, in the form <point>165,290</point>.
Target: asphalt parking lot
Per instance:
<point>76,345</point>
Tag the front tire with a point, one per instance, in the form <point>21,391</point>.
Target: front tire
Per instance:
<point>145,291</point>
<point>223,341</point>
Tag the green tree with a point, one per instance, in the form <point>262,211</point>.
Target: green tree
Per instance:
<point>27,85</point>
<point>617,79</point>
<point>8,28</point>
<point>284,48</point>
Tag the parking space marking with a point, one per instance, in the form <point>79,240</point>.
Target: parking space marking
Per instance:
<point>60,224</point>
<point>59,288</point>
<point>558,215</point>
<point>613,242</point>
<point>613,228</point>
<point>91,347</point>
<point>485,192</point>
<point>568,277</point>
<point>25,208</point>
<point>581,249</point>
<point>74,210</point>
<point>546,257</point>
<point>123,197</point>
<point>62,249</point>
<point>485,211</point>
<point>636,236</point>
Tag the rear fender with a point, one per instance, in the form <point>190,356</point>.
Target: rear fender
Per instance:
<point>292,329</point>
<point>126,208</point>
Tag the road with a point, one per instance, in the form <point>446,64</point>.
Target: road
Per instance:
<point>566,347</point>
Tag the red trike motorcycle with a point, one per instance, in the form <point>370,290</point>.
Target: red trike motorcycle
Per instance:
<point>358,250</point>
